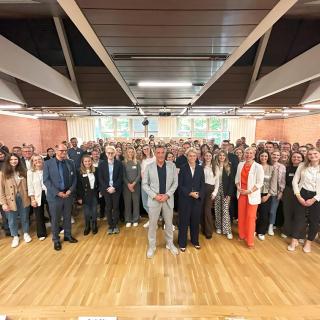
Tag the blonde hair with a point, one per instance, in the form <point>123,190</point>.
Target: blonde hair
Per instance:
<point>83,169</point>
<point>306,160</point>
<point>226,163</point>
<point>134,158</point>
<point>110,148</point>
<point>191,150</point>
<point>33,168</point>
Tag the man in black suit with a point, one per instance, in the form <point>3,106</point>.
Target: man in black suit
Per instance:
<point>27,153</point>
<point>110,184</point>
<point>233,159</point>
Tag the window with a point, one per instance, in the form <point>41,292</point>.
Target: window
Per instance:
<point>123,127</point>
<point>106,127</point>
<point>184,127</point>
<point>203,128</point>
<point>138,128</point>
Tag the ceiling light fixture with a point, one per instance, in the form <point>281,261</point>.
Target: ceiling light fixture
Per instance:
<point>312,106</point>
<point>204,57</point>
<point>39,115</point>
<point>158,84</point>
<point>296,111</point>
<point>250,111</point>
<point>10,107</point>
<point>183,111</point>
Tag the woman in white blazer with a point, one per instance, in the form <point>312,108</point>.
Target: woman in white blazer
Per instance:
<point>37,193</point>
<point>249,180</point>
<point>306,187</point>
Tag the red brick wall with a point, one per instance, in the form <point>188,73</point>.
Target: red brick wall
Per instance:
<point>304,129</point>
<point>41,133</point>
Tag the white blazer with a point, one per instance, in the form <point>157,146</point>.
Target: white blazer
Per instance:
<point>255,178</point>
<point>35,186</point>
<point>299,178</point>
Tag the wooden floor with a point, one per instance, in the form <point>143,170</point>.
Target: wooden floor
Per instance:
<point>109,276</point>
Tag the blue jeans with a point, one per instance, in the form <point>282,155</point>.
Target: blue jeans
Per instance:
<point>144,197</point>
<point>12,217</point>
<point>273,210</point>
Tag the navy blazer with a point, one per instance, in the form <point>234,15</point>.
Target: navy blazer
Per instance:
<point>51,177</point>
<point>187,183</point>
<point>117,176</point>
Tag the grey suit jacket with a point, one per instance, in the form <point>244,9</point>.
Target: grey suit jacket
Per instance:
<point>150,183</point>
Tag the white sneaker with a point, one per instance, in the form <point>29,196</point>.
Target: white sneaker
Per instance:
<point>301,241</point>
<point>62,231</point>
<point>150,252</point>
<point>230,236</point>
<point>218,231</point>
<point>284,236</point>
<point>42,238</point>
<point>173,228</point>
<point>270,230</point>
<point>72,220</point>
<point>128,224</point>
<point>146,225</point>
<point>135,224</point>
<point>15,242</point>
<point>261,237</point>
<point>171,247</point>
<point>27,237</point>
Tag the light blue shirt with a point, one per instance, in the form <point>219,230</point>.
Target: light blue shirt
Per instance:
<point>110,166</point>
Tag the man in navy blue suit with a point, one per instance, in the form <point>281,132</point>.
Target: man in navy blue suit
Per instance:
<point>59,176</point>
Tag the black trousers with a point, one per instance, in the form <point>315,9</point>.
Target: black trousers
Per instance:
<point>40,220</point>
<point>102,205</point>
<point>288,204</point>
<point>112,208</point>
<point>5,224</point>
<point>189,217</point>
<point>301,214</point>
<point>263,213</point>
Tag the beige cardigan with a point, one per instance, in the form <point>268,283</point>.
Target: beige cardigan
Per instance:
<point>8,191</point>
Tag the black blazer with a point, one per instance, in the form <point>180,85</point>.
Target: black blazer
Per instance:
<point>187,184</point>
<point>228,182</point>
<point>84,190</point>
<point>234,160</point>
<point>117,176</point>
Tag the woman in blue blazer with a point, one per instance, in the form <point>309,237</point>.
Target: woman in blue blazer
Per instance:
<point>191,184</point>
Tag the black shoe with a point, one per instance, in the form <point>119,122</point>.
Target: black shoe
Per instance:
<point>8,233</point>
<point>70,239</point>
<point>94,227</point>
<point>87,228</point>
<point>208,237</point>
<point>57,246</point>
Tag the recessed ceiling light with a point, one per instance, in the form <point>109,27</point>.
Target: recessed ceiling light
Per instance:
<point>312,106</point>
<point>297,111</point>
<point>10,106</point>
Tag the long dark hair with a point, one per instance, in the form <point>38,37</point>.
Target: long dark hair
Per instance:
<point>8,170</point>
<point>269,157</point>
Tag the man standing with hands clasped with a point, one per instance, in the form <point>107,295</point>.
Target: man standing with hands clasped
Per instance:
<point>160,180</point>
<point>59,176</point>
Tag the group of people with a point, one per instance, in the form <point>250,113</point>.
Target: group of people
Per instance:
<point>209,186</point>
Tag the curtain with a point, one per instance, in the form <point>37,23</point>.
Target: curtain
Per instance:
<point>82,128</point>
<point>167,127</point>
<point>242,127</point>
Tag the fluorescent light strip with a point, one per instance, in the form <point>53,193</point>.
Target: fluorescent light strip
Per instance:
<point>39,115</point>
<point>156,84</point>
<point>206,111</point>
<point>312,106</point>
<point>19,115</point>
<point>296,111</point>
<point>276,114</point>
<point>10,107</point>
<point>250,111</point>
<point>183,111</point>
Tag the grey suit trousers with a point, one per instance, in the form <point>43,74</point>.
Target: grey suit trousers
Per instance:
<point>154,213</point>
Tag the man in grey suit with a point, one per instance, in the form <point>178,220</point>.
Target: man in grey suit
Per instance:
<point>160,180</point>
<point>59,176</point>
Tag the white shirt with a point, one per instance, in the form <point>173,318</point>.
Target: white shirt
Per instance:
<point>310,178</point>
<point>28,164</point>
<point>40,174</point>
<point>192,171</point>
<point>212,179</point>
<point>91,179</point>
